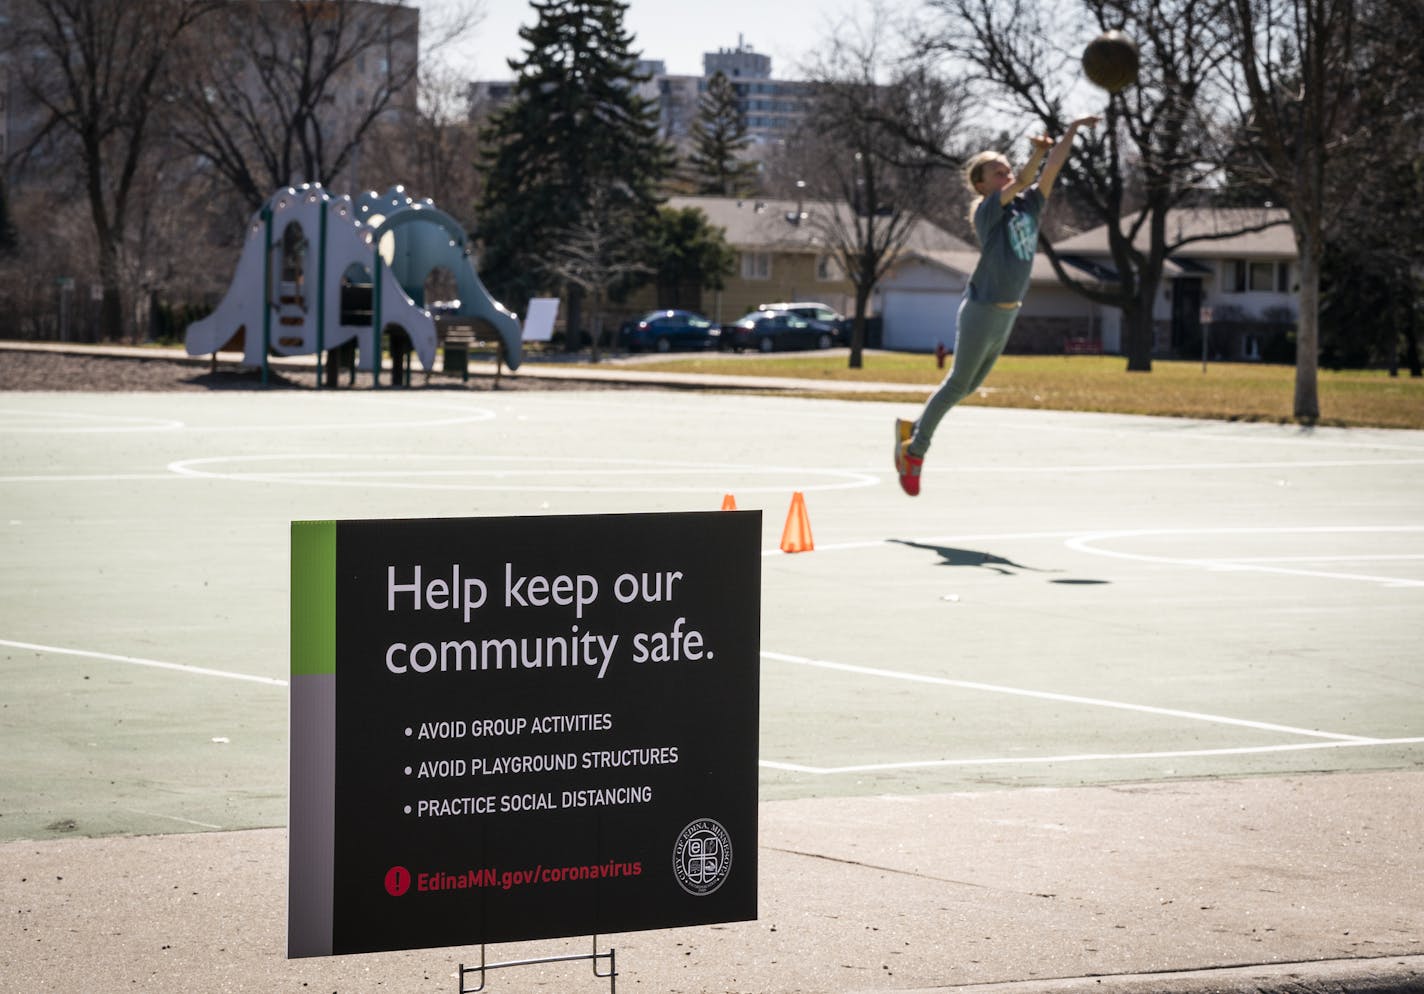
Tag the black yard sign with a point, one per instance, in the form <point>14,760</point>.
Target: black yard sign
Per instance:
<point>522,728</point>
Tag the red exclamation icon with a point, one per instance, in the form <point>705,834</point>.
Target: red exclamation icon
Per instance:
<point>397,881</point>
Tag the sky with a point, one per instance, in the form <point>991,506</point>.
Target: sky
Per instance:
<point>676,32</point>
<point>679,32</point>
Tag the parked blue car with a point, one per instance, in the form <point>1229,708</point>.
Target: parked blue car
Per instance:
<point>664,331</point>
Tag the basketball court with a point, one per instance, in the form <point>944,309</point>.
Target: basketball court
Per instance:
<point>1074,598</point>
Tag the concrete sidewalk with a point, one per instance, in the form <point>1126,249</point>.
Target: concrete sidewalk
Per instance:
<point>1291,884</point>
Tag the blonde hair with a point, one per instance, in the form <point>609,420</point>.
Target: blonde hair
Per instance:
<point>974,167</point>
<point>974,173</point>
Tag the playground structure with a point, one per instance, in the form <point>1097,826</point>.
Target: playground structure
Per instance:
<point>323,275</point>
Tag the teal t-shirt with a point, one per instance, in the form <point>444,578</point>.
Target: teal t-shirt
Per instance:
<point>1009,236</point>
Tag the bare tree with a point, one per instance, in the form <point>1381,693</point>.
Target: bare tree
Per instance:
<point>8,240</point>
<point>39,294</point>
<point>430,151</point>
<point>1296,60</point>
<point>1159,146</point>
<point>299,85</point>
<point>1380,238</point>
<point>99,73</point>
<point>872,181</point>
<point>600,250</point>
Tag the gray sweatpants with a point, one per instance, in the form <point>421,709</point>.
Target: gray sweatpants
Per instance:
<point>982,334</point>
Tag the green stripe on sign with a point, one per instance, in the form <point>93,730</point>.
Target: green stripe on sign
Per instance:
<point>313,597</point>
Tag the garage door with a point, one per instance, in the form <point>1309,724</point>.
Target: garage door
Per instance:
<point>918,320</point>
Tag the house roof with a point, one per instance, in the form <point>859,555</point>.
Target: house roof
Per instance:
<point>962,263</point>
<point>1215,233</point>
<point>772,225</point>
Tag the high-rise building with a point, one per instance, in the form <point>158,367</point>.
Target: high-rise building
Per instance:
<point>772,108</point>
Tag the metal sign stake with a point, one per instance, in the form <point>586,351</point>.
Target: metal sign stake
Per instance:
<point>594,958</point>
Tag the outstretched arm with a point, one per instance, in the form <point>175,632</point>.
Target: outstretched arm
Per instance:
<point>1025,176</point>
<point>1059,155</point>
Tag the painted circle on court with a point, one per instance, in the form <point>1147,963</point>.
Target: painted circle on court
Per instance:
<point>519,474</point>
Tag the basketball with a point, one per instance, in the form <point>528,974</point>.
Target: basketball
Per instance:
<point>1110,61</point>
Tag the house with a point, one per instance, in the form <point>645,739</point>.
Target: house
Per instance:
<point>919,300</point>
<point>1243,283</point>
<point>782,254</point>
<point>1233,269</point>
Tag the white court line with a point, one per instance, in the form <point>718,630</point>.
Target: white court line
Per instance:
<point>1335,740</point>
<point>466,416</point>
<point>1084,543</point>
<point>87,478</point>
<point>513,468</point>
<point>1079,757</point>
<point>877,543</point>
<point>1338,741</point>
<point>940,681</point>
<point>110,423</point>
<point>1080,542</point>
<point>1324,559</point>
<point>71,422</point>
<point>523,472</point>
<point>138,661</point>
<point>1199,430</point>
<point>1173,467</point>
<point>182,821</point>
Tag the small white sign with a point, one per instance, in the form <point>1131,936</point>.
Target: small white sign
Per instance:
<point>539,322</point>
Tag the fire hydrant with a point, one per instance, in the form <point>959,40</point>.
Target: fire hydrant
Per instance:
<point>940,353</point>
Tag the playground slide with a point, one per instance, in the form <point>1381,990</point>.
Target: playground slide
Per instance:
<point>424,238</point>
<point>297,323</point>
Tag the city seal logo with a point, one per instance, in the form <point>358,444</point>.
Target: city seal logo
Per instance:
<point>702,857</point>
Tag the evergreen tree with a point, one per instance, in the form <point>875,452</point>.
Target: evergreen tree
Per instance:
<point>719,137</point>
<point>574,127</point>
<point>688,256</point>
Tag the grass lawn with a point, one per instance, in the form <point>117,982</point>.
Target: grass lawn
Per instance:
<point>1224,391</point>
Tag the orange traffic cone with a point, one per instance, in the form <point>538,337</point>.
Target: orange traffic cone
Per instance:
<point>729,503</point>
<point>796,536</point>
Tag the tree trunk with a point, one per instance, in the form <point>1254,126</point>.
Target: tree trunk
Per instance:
<point>1411,338</point>
<point>597,304</point>
<point>1139,333</point>
<point>857,330</point>
<point>111,305</point>
<point>573,337</point>
<point>1307,334</point>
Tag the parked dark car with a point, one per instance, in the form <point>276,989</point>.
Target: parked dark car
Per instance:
<point>773,331</point>
<point>663,331</point>
<point>816,313</point>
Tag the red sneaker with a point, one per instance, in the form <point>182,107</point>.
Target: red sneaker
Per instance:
<point>906,465</point>
<point>910,474</point>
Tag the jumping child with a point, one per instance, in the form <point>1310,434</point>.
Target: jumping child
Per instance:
<point>1006,221</point>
